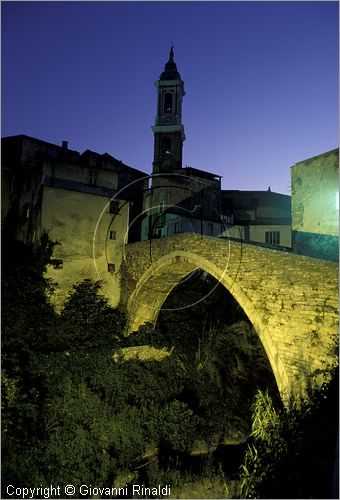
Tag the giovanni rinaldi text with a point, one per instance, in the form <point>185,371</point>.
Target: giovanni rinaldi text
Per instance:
<point>136,490</point>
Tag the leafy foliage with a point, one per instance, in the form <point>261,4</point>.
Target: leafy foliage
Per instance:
<point>178,425</point>
<point>88,322</point>
<point>71,414</point>
<point>292,450</point>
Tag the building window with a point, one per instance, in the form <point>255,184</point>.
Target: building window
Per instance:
<point>111,267</point>
<point>157,232</point>
<point>177,227</point>
<point>25,212</point>
<point>57,263</point>
<point>114,207</point>
<point>112,235</point>
<point>272,237</point>
<point>166,145</point>
<point>92,161</point>
<point>93,177</point>
<point>11,191</point>
<point>168,102</point>
<point>228,219</point>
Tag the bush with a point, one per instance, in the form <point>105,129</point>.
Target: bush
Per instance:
<point>178,425</point>
<point>292,451</point>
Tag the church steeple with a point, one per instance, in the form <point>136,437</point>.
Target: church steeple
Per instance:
<point>168,129</point>
<point>170,69</point>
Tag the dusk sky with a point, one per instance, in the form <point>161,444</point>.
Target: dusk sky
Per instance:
<point>261,81</point>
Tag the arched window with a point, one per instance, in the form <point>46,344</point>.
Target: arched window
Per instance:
<point>166,145</point>
<point>168,102</point>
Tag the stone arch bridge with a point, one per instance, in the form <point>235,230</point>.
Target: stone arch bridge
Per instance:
<point>291,300</point>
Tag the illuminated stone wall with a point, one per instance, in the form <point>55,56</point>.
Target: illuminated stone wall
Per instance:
<point>291,300</point>
<point>82,224</point>
<point>315,206</point>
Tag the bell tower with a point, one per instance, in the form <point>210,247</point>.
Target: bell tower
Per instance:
<point>168,129</point>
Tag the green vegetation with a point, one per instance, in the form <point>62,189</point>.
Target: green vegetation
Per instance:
<point>79,407</point>
<point>291,453</point>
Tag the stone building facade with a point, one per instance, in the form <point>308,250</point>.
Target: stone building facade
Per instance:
<point>257,217</point>
<point>315,206</point>
<point>84,202</point>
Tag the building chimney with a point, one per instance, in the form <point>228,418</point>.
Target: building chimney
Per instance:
<point>64,144</point>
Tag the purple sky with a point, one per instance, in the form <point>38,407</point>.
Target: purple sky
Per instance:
<point>261,81</point>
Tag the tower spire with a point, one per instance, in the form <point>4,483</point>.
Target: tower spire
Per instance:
<point>170,69</point>
<point>171,55</point>
<point>168,129</point>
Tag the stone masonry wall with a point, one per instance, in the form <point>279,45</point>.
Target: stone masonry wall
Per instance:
<point>291,300</point>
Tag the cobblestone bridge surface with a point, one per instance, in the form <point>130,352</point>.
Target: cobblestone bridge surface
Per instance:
<point>291,300</point>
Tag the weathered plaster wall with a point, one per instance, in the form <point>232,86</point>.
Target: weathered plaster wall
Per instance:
<point>291,300</point>
<point>71,218</point>
<point>315,209</point>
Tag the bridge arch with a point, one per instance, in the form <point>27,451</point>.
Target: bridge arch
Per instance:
<point>290,300</point>
<point>157,283</point>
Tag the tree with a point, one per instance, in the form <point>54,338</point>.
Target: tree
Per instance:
<point>87,321</point>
